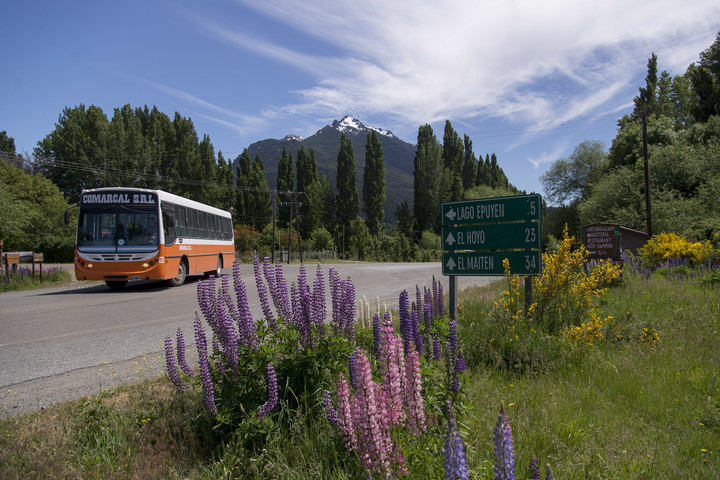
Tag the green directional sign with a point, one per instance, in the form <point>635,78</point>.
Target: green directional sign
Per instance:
<point>503,236</point>
<point>492,210</point>
<point>491,263</point>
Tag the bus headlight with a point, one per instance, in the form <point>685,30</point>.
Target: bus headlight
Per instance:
<point>145,265</point>
<point>89,265</point>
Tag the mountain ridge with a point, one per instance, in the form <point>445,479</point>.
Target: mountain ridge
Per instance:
<point>399,156</point>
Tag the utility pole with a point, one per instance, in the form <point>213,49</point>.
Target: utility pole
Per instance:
<point>293,203</point>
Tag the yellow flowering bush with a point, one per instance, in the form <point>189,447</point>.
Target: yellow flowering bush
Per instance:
<point>568,291</point>
<point>669,245</point>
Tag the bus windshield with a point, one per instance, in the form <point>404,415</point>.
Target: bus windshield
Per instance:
<point>118,226</point>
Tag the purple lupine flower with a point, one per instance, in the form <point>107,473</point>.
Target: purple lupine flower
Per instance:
<point>348,309</point>
<point>170,363</point>
<point>413,392</point>
<point>460,363</point>
<point>345,414</point>
<point>452,337</point>
<point>269,274</point>
<point>302,317</point>
<point>503,448</point>
<point>534,467</point>
<point>201,343</point>
<point>417,337</point>
<point>436,314</point>
<point>404,318</point>
<point>392,380</point>
<point>418,299</point>
<point>295,303</point>
<point>334,279</point>
<point>352,371</point>
<point>437,350</point>
<point>228,337</point>
<point>455,461</point>
<point>549,473</point>
<point>267,407</point>
<point>262,292</point>
<point>182,361</point>
<point>329,409</point>
<point>374,442</point>
<point>246,326</point>
<point>440,301</point>
<point>376,333</point>
<point>319,301</point>
<point>282,290</point>
<point>427,317</point>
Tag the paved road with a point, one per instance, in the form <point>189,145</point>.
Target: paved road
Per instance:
<point>63,343</point>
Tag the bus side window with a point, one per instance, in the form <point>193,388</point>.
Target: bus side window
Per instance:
<point>180,223</point>
<point>192,223</point>
<point>168,216</point>
<point>202,225</point>
<point>211,225</point>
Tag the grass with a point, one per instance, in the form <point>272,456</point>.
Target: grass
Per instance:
<point>636,406</point>
<point>22,279</point>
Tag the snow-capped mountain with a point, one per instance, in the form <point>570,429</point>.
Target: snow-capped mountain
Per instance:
<point>353,126</point>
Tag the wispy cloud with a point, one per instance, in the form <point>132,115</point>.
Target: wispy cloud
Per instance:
<point>241,123</point>
<point>520,61</point>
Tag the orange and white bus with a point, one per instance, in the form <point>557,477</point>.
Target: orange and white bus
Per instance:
<point>126,234</point>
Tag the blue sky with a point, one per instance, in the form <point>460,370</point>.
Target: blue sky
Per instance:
<point>527,80</point>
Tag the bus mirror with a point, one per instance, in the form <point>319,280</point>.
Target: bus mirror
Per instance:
<point>67,214</point>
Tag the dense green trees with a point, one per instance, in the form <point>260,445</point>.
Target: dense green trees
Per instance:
<point>138,147</point>
<point>683,137</point>
<point>32,215</point>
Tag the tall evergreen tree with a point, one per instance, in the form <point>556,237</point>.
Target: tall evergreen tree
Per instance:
<point>426,173</point>
<point>242,192</point>
<point>260,208</point>
<point>327,204</point>
<point>308,183</point>
<point>374,184</point>
<point>73,153</point>
<point>285,183</point>
<point>452,160</point>
<point>347,203</point>
<point>469,165</point>
<point>647,99</point>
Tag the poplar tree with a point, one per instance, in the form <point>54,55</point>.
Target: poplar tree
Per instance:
<point>469,165</point>
<point>285,183</point>
<point>242,193</point>
<point>347,203</point>
<point>374,184</point>
<point>327,204</point>
<point>427,167</point>
<point>259,209</point>
<point>308,183</point>
<point>452,160</point>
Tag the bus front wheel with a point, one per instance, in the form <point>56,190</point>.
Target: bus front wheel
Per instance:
<point>182,273</point>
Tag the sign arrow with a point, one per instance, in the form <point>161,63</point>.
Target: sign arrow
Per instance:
<point>450,239</point>
<point>451,214</point>
<point>451,264</point>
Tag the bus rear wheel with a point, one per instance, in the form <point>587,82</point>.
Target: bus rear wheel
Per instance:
<point>116,284</point>
<point>218,271</point>
<point>182,274</point>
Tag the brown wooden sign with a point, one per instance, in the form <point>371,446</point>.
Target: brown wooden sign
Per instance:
<point>12,258</point>
<point>602,240</point>
<point>38,258</point>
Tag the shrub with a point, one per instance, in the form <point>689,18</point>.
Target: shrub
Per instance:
<point>666,246</point>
